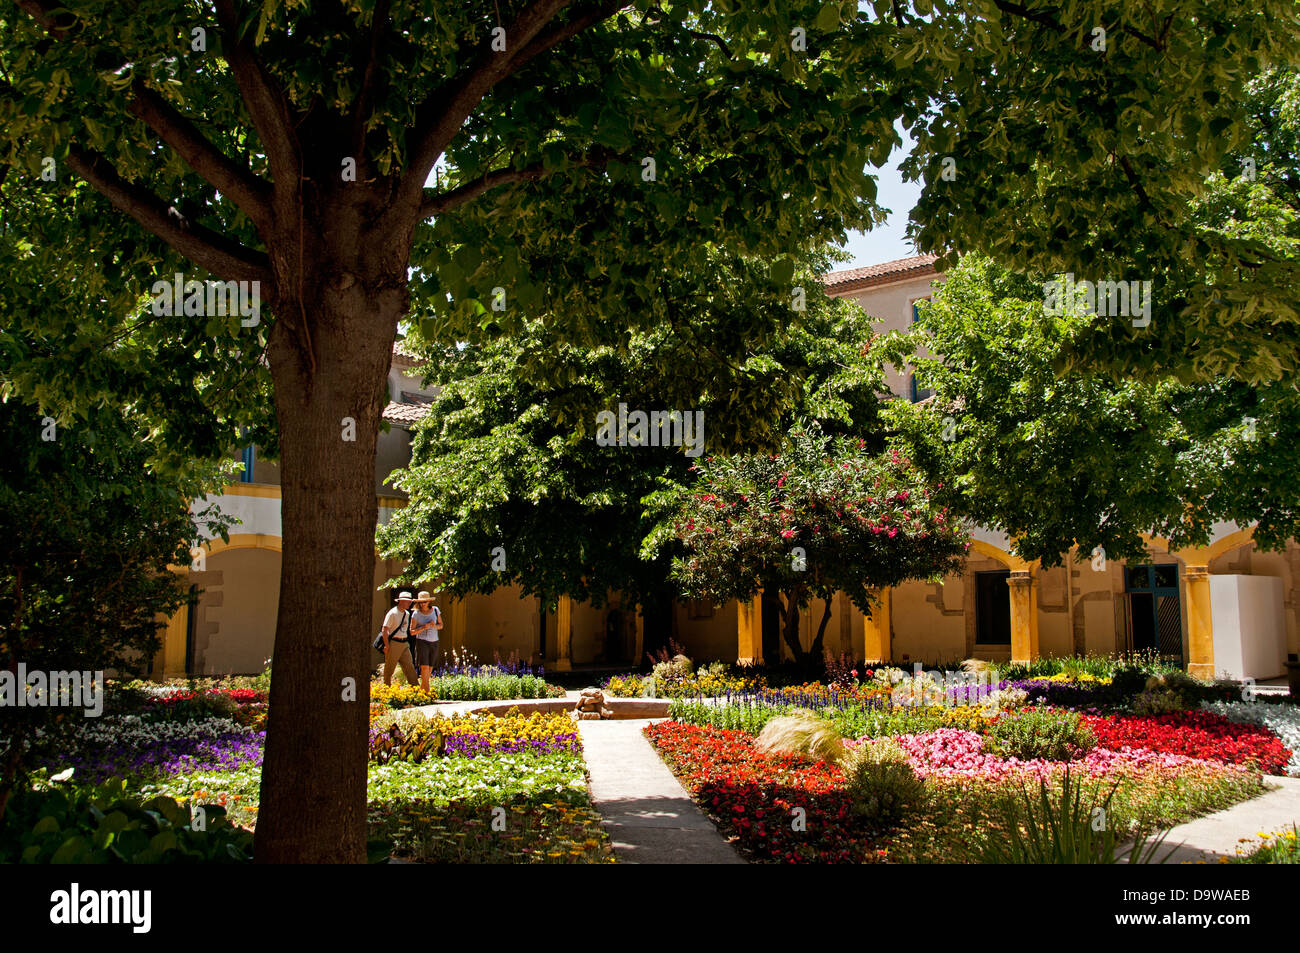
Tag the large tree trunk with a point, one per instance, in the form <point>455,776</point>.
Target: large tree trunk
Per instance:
<point>791,627</point>
<point>330,351</point>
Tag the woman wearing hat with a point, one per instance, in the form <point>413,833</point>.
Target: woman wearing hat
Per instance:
<point>396,632</point>
<point>425,624</point>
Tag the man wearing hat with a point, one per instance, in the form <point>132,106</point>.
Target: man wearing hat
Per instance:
<point>396,633</point>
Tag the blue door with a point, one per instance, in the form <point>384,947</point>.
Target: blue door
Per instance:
<point>1155,614</point>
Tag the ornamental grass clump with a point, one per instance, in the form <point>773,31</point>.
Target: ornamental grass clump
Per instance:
<point>1040,733</point>
<point>880,782</point>
<point>803,733</point>
<point>1065,828</point>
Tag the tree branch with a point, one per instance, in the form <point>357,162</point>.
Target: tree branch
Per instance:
<point>440,116</point>
<point>454,198</point>
<point>58,22</point>
<point>722,44</point>
<point>216,253</point>
<point>378,29</point>
<point>1047,20</point>
<point>245,189</point>
<point>267,104</point>
<point>582,20</point>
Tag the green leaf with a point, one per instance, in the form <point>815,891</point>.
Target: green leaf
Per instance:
<point>828,17</point>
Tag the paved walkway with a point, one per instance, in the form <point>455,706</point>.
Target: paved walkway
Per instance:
<point>648,814</point>
<point>1222,834</point>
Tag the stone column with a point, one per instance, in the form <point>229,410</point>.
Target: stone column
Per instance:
<point>876,628</point>
<point>1024,616</point>
<point>749,631</point>
<point>563,636</point>
<point>1200,627</point>
<point>170,660</point>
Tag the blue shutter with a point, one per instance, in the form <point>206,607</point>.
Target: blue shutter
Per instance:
<point>248,465</point>
<point>918,393</point>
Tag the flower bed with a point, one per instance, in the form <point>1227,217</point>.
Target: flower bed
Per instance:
<point>524,772</point>
<point>1196,734</point>
<point>120,745</point>
<point>473,735</point>
<point>753,796</point>
<point>1281,719</point>
<point>464,688</point>
<point>954,753</point>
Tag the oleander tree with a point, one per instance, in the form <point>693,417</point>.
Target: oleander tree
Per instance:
<point>824,515</point>
<point>1065,458</point>
<point>474,168</point>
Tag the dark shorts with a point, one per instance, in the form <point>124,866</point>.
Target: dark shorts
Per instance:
<point>426,653</point>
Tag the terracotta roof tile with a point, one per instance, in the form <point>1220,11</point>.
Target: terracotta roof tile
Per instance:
<point>404,414</point>
<point>851,279</point>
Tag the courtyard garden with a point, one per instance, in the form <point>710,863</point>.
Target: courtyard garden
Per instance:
<point>171,773</point>
<point>1066,761</point>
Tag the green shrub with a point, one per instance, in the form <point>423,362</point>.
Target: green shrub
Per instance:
<point>1098,666</point>
<point>1068,829</point>
<point>670,674</point>
<point>103,825</point>
<point>803,733</point>
<point>1172,691</point>
<point>1040,733</point>
<point>880,782</point>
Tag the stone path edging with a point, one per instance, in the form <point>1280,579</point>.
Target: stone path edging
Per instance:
<point>1236,828</point>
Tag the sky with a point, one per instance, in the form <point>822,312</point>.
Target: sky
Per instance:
<point>886,242</point>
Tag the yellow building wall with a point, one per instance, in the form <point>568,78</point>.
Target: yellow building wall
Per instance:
<point>234,630</point>
<point>707,639</point>
<point>503,622</point>
<point>1055,629</point>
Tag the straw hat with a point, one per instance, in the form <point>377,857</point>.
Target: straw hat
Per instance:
<point>402,595</point>
<point>424,596</point>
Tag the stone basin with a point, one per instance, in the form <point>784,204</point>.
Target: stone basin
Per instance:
<point>622,708</point>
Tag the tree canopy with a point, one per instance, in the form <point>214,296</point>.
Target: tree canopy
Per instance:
<point>512,460</point>
<point>1081,457</point>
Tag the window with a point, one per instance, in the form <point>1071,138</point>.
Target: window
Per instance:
<point>918,392</point>
<point>992,608</point>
